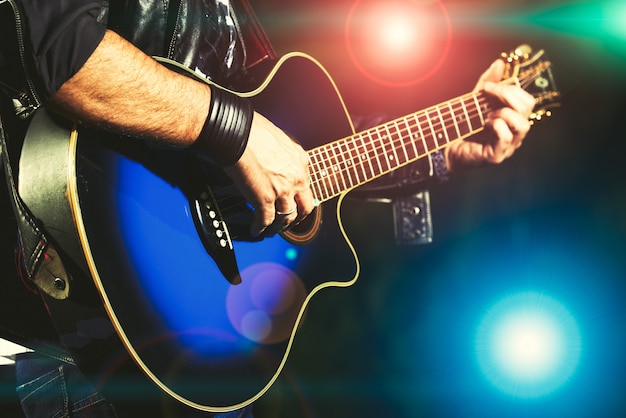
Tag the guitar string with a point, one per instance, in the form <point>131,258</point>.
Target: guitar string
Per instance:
<point>460,101</point>
<point>446,120</point>
<point>480,108</point>
<point>393,141</point>
<point>430,138</point>
<point>398,133</point>
<point>323,180</point>
<point>455,104</point>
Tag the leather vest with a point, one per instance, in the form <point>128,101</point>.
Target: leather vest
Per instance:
<point>220,39</point>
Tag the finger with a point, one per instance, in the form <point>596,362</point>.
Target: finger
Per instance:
<point>285,206</point>
<point>305,203</point>
<point>512,96</point>
<point>286,211</point>
<point>504,144</point>
<point>516,123</point>
<point>263,217</point>
<point>493,74</point>
<point>469,153</point>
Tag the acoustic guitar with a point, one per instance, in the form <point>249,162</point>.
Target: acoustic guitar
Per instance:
<point>207,312</point>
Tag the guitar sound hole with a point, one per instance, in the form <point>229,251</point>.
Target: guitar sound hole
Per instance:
<point>305,231</point>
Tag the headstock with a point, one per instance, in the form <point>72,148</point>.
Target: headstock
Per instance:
<point>533,72</point>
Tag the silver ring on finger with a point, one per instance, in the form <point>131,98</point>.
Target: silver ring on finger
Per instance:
<point>289,212</point>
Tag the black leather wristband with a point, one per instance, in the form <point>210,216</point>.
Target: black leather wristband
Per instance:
<point>224,135</point>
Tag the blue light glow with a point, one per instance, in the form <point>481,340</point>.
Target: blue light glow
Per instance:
<point>528,345</point>
<point>291,254</point>
<point>183,284</point>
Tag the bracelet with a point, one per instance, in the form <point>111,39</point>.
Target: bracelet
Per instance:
<point>224,135</point>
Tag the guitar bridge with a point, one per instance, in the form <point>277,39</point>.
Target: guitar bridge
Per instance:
<point>214,235</point>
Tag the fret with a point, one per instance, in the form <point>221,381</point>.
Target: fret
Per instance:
<point>412,137</point>
<point>392,158</point>
<point>338,167</point>
<point>480,113</point>
<point>449,120</point>
<point>327,170</point>
<point>350,167</point>
<point>402,143</point>
<point>419,127</point>
<point>454,117</point>
<point>323,172</point>
<point>365,160</point>
<point>332,168</point>
<point>378,169</point>
<point>316,181</point>
<point>433,132</point>
<point>383,150</point>
<point>345,159</point>
<point>467,117</point>
<point>444,127</point>
<point>357,159</point>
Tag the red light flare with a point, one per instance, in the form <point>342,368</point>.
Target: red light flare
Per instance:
<point>398,43</point>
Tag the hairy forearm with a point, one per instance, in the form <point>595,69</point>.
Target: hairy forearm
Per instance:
<point>121,89</point>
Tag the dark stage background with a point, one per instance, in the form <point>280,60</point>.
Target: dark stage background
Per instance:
<point>549,224</point>
<point>549,221</point>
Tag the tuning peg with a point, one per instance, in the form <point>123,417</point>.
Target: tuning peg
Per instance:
<point>523,51</point>
<point>538,115</point>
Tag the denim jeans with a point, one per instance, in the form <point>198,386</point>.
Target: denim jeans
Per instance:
<point>49,388</point>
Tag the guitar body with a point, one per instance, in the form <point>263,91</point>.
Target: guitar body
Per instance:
<point>155,229</point>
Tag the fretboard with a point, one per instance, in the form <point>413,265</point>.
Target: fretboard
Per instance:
<point>355,160</point>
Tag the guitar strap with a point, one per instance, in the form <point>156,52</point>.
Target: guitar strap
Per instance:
<point>24,321</point>
<point>36,253</point>
<point>39,260</point>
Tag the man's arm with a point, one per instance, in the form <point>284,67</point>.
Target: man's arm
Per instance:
<point>121,89</point>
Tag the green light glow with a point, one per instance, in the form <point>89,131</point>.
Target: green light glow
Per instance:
<point>616,19</point>
<point>601,20</point>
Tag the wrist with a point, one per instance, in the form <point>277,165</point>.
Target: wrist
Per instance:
<point>225,132</point>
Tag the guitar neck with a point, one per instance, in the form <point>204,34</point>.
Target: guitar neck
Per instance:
<point>355,160</point>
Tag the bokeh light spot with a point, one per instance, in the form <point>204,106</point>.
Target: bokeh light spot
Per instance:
<point>291,254</point>
<point>397,43</point>
<point>265,306</point>
<point>256,325</point>
<point>615,13</point>
<point>528,345</point>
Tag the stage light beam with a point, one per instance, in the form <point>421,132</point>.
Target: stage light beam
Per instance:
<point>528,345</point>
<point>615,13</point>
<point>399,42</point>
<point>398,34</point>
